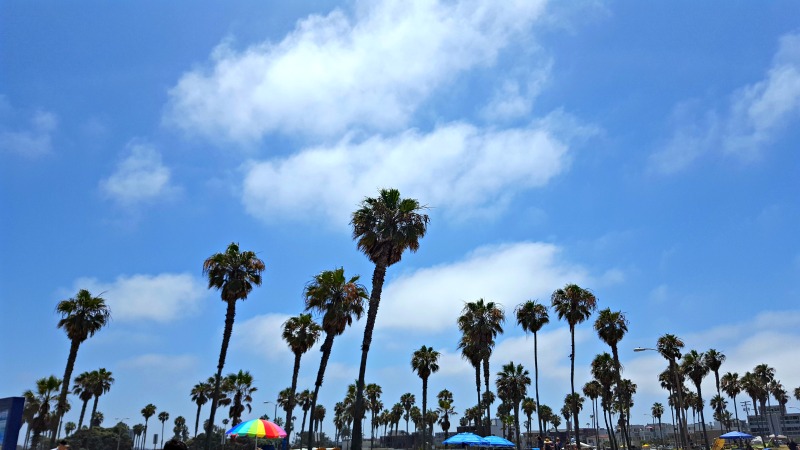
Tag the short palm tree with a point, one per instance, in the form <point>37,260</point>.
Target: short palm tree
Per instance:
<point>611,327</point>
<point>163,416</point>
<point>300,333</point>
<point>180,430</point>
<point>445,400</point>
<point>532,316</point>
<point>480,322</point>
<point>575,305</point>
<point>592,390</point>
<point>512,386</point>
<point>341,302</point>
<point>657,410</point>
<point>240,385</point>
<point>407,400</point>
<point>83,389</point>
<point>602,369</point>
<point>669,346</point>
<point>81,317</point>
<point>372,394</point>
<point>147,412</point>
<point>304,400</point>
<point>69,427</point>
<point>528,407</point>
<point>731,387</point>
<point>425,362</point>
<point>384,227</point>
<point>694,367</point>
<point>101,381</point>
<point>46,399</point>
<point>233,273</point>
<point>200,394</point>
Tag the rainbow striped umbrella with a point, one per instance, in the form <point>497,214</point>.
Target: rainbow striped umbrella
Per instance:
<point>258,428</point>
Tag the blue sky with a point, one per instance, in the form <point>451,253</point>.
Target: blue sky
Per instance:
<point>646,151</point>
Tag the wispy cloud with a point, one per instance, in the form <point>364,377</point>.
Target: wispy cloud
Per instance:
<point>34,139</point>
<point>141,177</point>
<point>755,118</point>
<point>336,72</point>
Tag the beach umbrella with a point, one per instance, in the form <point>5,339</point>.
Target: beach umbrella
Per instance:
<point>497,441</point>
<point>465,438</point>
<point>736,435</point>
<point>258,428</point>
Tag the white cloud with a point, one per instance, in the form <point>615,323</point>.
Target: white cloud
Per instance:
<point>140,177</point>
<point>160,298</point>
<point>35,139</point>
<point>262,334</point>
<point>336,72</point>
<point>457,168</point>
<point>501,273</point>
<point>514,97</point>
<point>757,115</point>
<point>160,363</point>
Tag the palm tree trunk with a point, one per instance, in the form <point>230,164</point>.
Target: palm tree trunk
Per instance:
<point>378,276</point>
<point>424,409</point>
<point>162,434</point>
<point>486,384</point>
<point>608,429</point>
<point>94,409</point>
<point>83,411</point>
<point>323,363</point>
<point>516,422</point>
<point>61,406</point>
<point>230,314</point>
<point>572,387</point>
<point>702,416</point>
<point>536,376</point>
<point>478,387</point>
<point>197,419</point>
<point>303,427</point>
<point>290,408</point>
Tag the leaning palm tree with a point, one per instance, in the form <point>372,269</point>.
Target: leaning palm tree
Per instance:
<point>81,317</point>
<point>233,273</point>
<point>512,386</point>
<point>147,413</point>
<point>163,416</point>
<point>532,316</point>
<point>83,389</point>
<point>480,322</point>
<point>200,394</point>
<point>384,227</point>
<point>611,327</point>
<point>669,346</point>
<point>101,381</point>
<point>300,334</point>
<point>240,384</point>
<point>731,387</point>
<point>575,305</point>
<point>425,362</point>
<point>341,302</point>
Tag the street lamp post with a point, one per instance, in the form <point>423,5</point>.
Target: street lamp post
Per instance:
<point>119,430</point>
<point>275,413</point>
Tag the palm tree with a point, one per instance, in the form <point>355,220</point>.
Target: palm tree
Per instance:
<point>163,416</point>
<point>480,323</point>
<point>233,273</point>
<point>603,373</point>
<point>180,429</point>
<point>300,334</point>
<point>241,386</point>
<point>713,360</point>
<point>407,400</point>
<point>425,362</point>
<point>731,387</point>
<point>532,316</point>
<point>101,381</point>
<point>763,375</point>
<point>147,413</point>
<point>512,386</point>
<point>81,317</point>
<point>718,404</point>
<point>138,429</point>
<point>83,389</point>
<point>657,410</point>
<point>341,301</point>
<point>575,305</point>
<point>45,398</point>
<point>372,392</point>
<point>304,400</point>
<point>200,394</point>
<point>445,410</point>
<point>383,227</point>
<point>471,352</point>
<point>592,390</point>
<point>528,407</point>
<point>611,328</point>
<point>69,427</point>
<point>669,346</point>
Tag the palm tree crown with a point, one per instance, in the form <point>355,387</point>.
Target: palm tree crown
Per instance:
<point>512,386</point>
<point>425,361</point>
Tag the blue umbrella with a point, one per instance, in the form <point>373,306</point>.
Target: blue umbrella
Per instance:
<point>465,438</point>
<point>736,435</point>
<point>497,441</point>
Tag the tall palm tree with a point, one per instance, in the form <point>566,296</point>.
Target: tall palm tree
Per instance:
<point>512,386</point>
<point>669,346</point>
<point>657,410</point>
<point>300,333</point>
<point>101,381</point>
<point>592,390</point>
<point>304,400</point>
<point>47,401</point>
<point>532,316</point>
<point>233,273</point>
<point>81,317</point>
<point>575,305</point>
<point>407,400</point>
<point>240,385</point>
<point>200,394</point>
<point>425,362</point>
<point>602,369</point>
<point>731,387</point>
<point>471,352</point>
<point>480,322</point>
<point>384,227</point>
<point>445,400</point>
<point>763,375</point>
<point>611,327</point>
<point>713,360</point>
<point>372,392</point>
<point>163,416</point>
<point>83,389</point>
<point>147,413</point>
<point>341,301</point>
